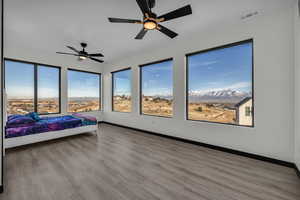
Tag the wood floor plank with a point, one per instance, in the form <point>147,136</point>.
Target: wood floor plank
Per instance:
<point>122,164</point>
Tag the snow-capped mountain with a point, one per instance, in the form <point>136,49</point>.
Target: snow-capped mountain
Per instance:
<point>220,96</point>
<point>165,96</point>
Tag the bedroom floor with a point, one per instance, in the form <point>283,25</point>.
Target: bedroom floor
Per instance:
<point>126,164</point>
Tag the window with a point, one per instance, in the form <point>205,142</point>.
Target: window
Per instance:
<point>121,82</point>
<point>84,91</point>
<point>157,89</point>
<point>219,84</point>
<point>48,89</point>
<point>19,83</point>
<point>31,87</point>
<point>248,111</point>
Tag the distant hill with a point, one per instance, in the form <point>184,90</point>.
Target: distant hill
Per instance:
<point>83,98</point>
<point>220,96</point>
<point>167,97</point>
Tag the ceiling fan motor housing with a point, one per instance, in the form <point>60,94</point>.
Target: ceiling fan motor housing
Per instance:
<point>83,44</point>
<point>151,3</point>
<point>82,53</point>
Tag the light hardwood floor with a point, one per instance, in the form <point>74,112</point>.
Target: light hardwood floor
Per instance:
<point>125,164</point>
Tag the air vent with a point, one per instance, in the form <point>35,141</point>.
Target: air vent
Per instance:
<point>250,15</point>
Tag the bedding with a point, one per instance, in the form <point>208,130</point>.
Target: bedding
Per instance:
<point>86,120</point>
<point>35,116</point>
<point>47,124</point>
<point>19,121</point>
<point>11,117</point>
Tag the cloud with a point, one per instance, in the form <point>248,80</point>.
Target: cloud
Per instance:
<point>208,63</point>
<point>237,86</point>
<point>240,85</point>
<point>204,64</point>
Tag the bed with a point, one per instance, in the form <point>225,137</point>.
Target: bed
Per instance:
<point>27,129</point>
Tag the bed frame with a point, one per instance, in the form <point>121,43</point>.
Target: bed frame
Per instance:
<point>40,137</point>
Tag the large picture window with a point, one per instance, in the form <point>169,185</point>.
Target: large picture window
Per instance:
<point>48,89</point>
<point>220,84</point>
<point>84,91</point>
<point>157,88</point>
<point>32,87</point>
<point>121,81</point>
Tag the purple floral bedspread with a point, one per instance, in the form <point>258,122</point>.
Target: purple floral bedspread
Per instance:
<point>47,124</point>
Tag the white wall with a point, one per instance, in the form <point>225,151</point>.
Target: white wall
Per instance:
<point>297,88</point>
<point>273,134</point>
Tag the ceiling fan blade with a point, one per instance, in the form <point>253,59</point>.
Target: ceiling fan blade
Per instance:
<point>119,20</point>
<point>141,34</point>
<point>167,31</point>
<point>96,55</point>
<point>143,4</point>
<point>186,10</point>
<point>73,49</point>
<point>67,53</point>
<point>97,60</point>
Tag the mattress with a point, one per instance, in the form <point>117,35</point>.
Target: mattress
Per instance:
<point>46,124</point>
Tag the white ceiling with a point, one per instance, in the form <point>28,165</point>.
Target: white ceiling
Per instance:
<point>49,25</point>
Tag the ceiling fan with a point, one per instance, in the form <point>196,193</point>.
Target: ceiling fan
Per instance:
<point>151,20</point>
<point>82,55</point>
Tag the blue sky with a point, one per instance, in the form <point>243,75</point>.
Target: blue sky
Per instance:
<point>81,84</point>
<point>19,81</point>
<point>229,68</point>
<point>48,82</point>
<point>157,79</point>
<point>122,83</point>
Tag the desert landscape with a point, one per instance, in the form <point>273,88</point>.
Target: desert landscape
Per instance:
<point>122,103</point>
<point>214,112</point>
<point>20,106</point>
<point>23,106</point>
<point>216,106</point>
<point>50,105</point>
<point>157,106</point>
<point>85,104</point>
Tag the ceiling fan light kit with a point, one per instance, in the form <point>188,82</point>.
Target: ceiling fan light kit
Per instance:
<point>82,57</point>
<point>150,25</point>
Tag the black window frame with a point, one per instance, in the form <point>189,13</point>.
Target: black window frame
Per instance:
<point>251,41</point>
<point>141,88</point>
<point>35,76</point>
<point>113,85</point>
<point>100,89</point>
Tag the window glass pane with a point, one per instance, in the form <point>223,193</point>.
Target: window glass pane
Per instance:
<point>122,91</point>
<point>48,90</point>
<point>220,85</point>
<point>157,89</point>
<point>19,83</point>
<point>83,91</point>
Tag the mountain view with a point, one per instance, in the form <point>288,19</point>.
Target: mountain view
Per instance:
<point>222,96</point>
<point>220,85</point>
